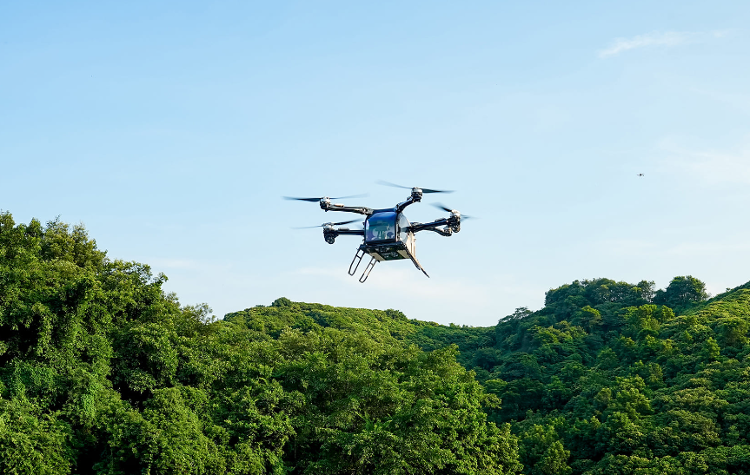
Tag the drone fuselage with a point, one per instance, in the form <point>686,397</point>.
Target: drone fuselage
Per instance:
<point>387,237</point>
<point>387,234</point>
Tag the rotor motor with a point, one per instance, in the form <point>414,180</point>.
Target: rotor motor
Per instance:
<point>329,235</point>
<point>455,221</point>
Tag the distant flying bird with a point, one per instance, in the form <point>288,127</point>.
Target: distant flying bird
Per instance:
<point>641,174</point>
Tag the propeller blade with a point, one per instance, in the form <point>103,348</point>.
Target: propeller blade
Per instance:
<point>343,222</point>
<point>388,183</point>
<point>302,199</point>
<point>313,200</point>
<point>448,210</point>
<point>427,190</point>
<point>350,196</point>
<point>424,190</point>
<point>328,224</point>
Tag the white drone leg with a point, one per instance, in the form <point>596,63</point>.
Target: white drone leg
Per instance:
<point>355,262</point>
<point>368,269</point>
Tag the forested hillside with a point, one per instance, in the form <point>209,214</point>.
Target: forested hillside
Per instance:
<point>101,371</point>
<point>605,379</point>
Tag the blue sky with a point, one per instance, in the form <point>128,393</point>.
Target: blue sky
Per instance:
<point>172,129</point>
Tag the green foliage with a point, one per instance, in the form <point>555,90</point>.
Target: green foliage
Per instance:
<point>604,379</point>
<point>371,404</point>
<point>621,384</point>
<point>101,371</point>
<point>682,292</point>
<point>32,442</point>
<point>541,450</point>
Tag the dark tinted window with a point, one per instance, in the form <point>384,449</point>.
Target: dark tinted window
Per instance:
<point>381,227</point>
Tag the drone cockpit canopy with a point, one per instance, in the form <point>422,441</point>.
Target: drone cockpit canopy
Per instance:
<point>385,227</point>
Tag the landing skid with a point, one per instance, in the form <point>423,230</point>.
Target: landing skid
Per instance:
<point>355,264</point>
<point>368,269</point>
<point>374,260</point>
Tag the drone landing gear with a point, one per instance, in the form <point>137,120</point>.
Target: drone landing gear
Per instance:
<point>355,264</point>
<point>368,269</point>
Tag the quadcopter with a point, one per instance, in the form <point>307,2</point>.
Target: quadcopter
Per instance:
<point>387,234</point>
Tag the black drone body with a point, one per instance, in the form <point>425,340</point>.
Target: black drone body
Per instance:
<point>387,234</point>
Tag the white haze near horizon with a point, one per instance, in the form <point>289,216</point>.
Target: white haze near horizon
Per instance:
<point>172,130</point>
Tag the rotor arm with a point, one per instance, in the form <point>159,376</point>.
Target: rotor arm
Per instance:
<point>326,205</point>
<point>446,231</point>
<point>434,226</point>
<point>415,197</point>
<point>330,233</point>
<point>351,232</point>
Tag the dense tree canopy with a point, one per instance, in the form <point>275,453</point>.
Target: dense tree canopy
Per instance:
<point>101,371</point>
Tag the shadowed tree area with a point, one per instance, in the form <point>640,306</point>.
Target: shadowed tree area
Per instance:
<point>101,371</point>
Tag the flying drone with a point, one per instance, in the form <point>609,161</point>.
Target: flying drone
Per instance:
<point>387,234</point>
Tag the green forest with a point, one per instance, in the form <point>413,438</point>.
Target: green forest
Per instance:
<point>103,372</point>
